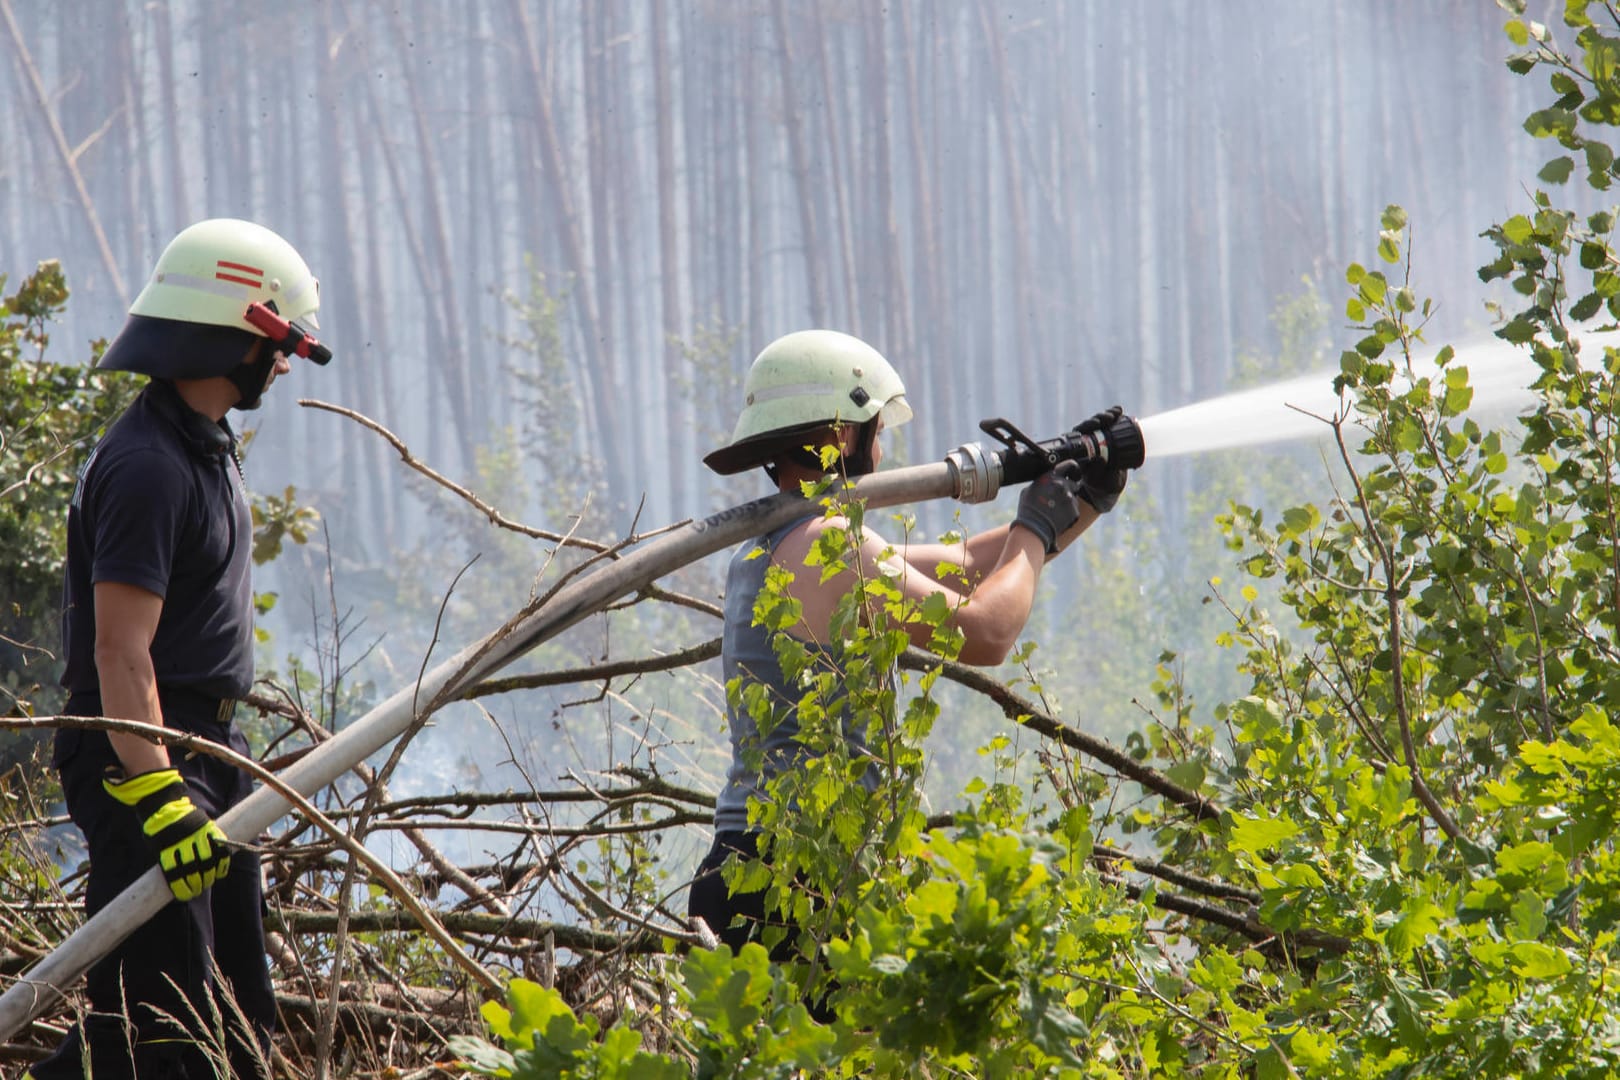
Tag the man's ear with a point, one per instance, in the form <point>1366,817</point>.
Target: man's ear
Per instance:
<point>846,436</point>
<point>255,349</point>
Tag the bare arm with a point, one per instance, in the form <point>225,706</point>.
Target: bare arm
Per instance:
<point>126,621</point>
<point>990,623</point>
<point>978,554</point>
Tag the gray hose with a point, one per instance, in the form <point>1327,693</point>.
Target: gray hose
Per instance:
<point>48,980</point>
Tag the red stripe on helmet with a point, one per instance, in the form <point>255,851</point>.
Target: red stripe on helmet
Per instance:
<point>222,264</point>
<point>253,282</point>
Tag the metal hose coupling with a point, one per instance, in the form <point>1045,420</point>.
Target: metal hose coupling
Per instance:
<point>975,471</point>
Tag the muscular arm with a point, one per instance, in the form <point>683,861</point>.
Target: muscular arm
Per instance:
<point>993,618</point>
<point>978,554</point>
<point>990,623</point>
<point>126,620</point>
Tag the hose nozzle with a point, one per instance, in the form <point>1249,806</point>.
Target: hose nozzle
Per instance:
<point>980,471</point>
<point>1122,445</point>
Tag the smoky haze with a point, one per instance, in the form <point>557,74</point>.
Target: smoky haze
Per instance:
<point>551,237</point>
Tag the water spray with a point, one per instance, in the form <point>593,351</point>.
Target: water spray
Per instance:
<point>1500,374</point>
<point>971,473</point>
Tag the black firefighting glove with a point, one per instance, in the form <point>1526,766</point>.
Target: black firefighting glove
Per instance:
<point>1050,505</point>
<point>1100,485</point>
<point>193,851</point>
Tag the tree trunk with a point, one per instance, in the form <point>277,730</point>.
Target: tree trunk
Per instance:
<point>680,431</point>
<point>793,121</point>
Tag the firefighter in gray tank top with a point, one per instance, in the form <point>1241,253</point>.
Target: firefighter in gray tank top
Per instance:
<point>821,388</point>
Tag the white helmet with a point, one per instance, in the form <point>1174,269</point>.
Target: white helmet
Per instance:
<point>801,383</point>
<point>207,277</point>
<point>213,270</point>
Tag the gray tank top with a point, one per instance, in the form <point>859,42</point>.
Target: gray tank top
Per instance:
<point>746,653</point>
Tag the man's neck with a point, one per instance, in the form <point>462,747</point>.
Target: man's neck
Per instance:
<point>213,397</point>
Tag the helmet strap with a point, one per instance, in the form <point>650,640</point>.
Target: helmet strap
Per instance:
<point>859,462</point>
<point>251,379</point>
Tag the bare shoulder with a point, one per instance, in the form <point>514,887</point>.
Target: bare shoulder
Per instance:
<point>795,549</point>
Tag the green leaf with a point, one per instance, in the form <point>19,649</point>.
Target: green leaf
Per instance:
<point>1518,331</point>
<point>1371,346</point>
<point>1189,774</point>
<point>482,1057</point>
<point>1255,835</point>
<point>1547,123</point>
<point>1518,229</point>
<point>1299,520</point>
<point>1372,287</point>
<point>1533,960</point>
<point>1586,307</point>
<point>1457,400</point>
<point>1418,919</point>
<point>1557,170</point>
<point>1599,156</point>
<point>1389,247</point>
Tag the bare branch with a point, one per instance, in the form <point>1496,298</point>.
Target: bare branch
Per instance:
<point>197,744</point>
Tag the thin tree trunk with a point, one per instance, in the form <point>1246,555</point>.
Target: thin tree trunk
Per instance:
<point>602,423</point>
<point>641,366</point>
<point>1026,362</point>
<point>895,295</point>
<point>754,172</point>
<point>793,120</point>
<point>680,431</point>
<point>65,153</point>
<point>444,293</point>
<point>379,399</point>
<point>339,276</point>
<point>163,32</point>
<point>418,259</point>
<point>838,152</point>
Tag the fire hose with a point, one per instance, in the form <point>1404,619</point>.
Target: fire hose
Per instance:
<point>972,473</point>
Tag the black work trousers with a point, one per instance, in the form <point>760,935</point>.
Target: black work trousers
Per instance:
<point>156,1007</point>
<point>738,918</point>
<point>735,918</point>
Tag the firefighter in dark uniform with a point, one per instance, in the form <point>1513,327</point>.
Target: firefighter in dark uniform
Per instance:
<point>158,627</point>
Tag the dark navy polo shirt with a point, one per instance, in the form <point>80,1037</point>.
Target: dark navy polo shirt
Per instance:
<point>160,504</point>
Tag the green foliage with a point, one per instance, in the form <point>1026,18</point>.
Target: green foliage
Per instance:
<point>1413,868</point>
<point>541,1038</point>
<point>278,518</point>
<point>50,413</point>
<point>1404,778</point>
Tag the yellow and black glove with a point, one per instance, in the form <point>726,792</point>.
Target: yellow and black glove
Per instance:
<point>193,851</point>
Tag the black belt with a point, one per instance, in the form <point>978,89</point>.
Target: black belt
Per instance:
<point>178,703</point>
<point>189,704</point>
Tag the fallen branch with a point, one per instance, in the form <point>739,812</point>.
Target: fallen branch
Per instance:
<point>472,924</point>
<point>199,745</point>
<point>1023,711</point>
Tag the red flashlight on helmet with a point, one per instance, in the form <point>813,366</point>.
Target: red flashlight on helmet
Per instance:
<point>290,338</point>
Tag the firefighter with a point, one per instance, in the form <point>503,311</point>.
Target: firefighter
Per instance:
<point>804,392</point>
<point>157,626</point>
